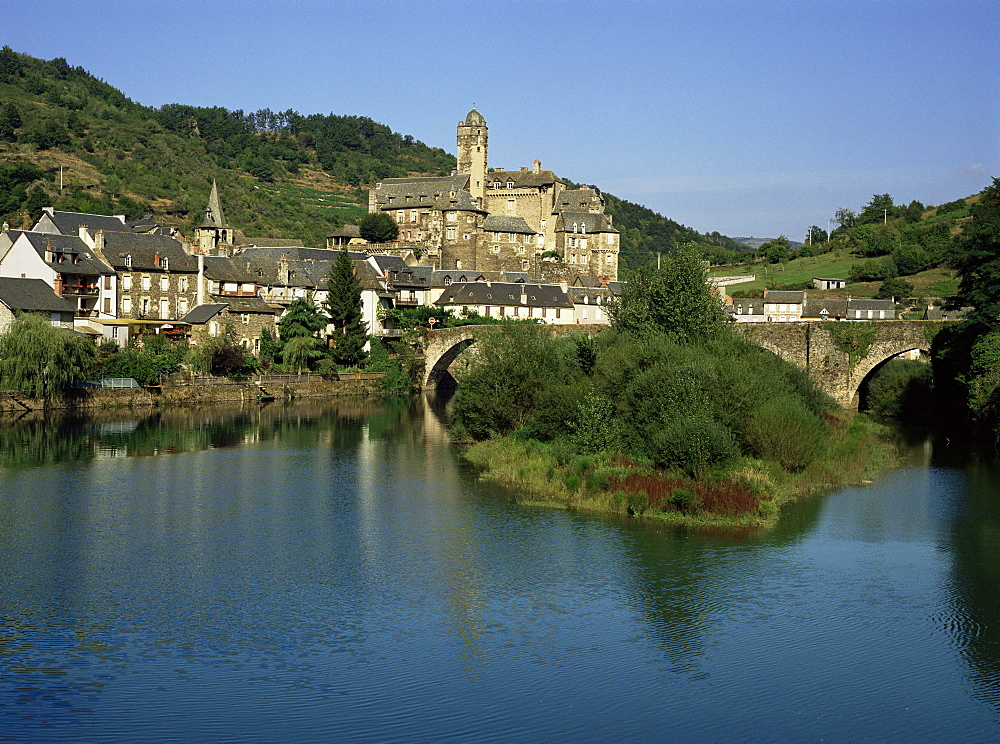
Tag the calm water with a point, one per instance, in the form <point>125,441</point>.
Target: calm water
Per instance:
<point>325,574</point>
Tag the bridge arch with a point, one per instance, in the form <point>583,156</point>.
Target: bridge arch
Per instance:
<point>811,346</point>
<point>445,345</point>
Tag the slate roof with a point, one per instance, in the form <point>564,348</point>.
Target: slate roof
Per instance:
<point>69,223</point>
<point>422,192</point>
<point>260,242</point>
<point>462,201</point>
<point>787,296</point>
<point>474,119</point>
<point>747,306</point>
<point>300,273</point>
<point>73,248</point>
<point>824,307</point>
<point>297,253</point>
<point>504,224</point>
<point>347,231</point>
<point>591,293</point>
<point>32,295</point>
<point>590,222</point>
<point>864,304</point>
<point>940,313</point>
<point>226,269</point>
<point>522,179</point>
<point>577,200</point>
<point>204,313</point>
<point>504,293</point>
<point>143,247</point>
<point>247,305</point>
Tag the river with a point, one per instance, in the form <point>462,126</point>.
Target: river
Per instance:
<point>336,573</point>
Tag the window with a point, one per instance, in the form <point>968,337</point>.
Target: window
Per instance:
<point>511,237</point>
<point>164,284</point>
<point>165,264</point>
<point>145,283</point>
<point>541,241</point>
<point>496,249</point>
<point>452,217</point>
<point>107,282</point>
<point>246,318</point>
<point>400,217</point>
<point>127,281</point>
<point>107,306</point>
<point>524,265</point>
<point>520,249</point>
<point>608,258</point>
<point>164,308</point>
<point>182,284</point>
<point>126,306</point>
<point>413,215</point>
<point>182,307</point>
<point>583,243</point>
<point>510,205</point>
<point>571,242</point>
<point>145,307</point>
<point>128,260</point>
<point>496,237</point>
<point>451,233</point>
<point>543,224</point>
<point>510,184</point>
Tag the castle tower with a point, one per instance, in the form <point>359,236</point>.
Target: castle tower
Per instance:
<point>472,149</point>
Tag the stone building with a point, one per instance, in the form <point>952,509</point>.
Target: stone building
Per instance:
<point>450,222</point>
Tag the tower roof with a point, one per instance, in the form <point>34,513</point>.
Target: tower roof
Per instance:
<point>213,212</point>
<point>474,119</point>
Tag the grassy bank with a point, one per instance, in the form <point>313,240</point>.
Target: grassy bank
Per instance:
<point>747,492</point>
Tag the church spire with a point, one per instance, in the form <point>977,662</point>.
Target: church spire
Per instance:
<point>213,212</point>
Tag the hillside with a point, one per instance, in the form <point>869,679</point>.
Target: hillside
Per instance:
<point>75,142</point>
<point>873,249</point>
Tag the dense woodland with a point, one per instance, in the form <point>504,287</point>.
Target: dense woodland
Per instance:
<point>282,174</point>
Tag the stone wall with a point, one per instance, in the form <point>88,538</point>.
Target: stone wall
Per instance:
<point>182,395</point>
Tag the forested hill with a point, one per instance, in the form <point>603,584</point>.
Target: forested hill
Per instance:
<point>282,174</point>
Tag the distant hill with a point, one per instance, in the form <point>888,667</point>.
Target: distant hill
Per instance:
<point>70,140</point>
<point>756,243</point>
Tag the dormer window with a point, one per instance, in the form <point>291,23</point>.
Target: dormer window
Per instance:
<point>447,281</point>
<point>128,260</point>
<point>510,184</point>
<point>165,264</point>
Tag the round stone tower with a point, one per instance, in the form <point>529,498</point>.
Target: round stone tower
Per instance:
<point>472,148</point>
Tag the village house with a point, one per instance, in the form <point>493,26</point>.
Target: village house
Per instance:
<point>33,296</point>
<point>549,303</point>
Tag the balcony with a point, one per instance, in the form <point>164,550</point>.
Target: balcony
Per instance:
<point>402,301</point>
<point>81,290</point>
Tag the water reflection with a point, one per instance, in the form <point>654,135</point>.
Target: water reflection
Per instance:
<point>333,571</point>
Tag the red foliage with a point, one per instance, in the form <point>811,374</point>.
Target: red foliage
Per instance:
<point>727,498</point>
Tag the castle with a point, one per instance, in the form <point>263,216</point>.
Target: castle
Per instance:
<point>479,219</point>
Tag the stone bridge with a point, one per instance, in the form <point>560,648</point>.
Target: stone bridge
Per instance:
<point>443,346</point>
<point>811,346</point>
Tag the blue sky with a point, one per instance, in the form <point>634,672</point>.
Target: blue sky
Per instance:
<point>750,118</point>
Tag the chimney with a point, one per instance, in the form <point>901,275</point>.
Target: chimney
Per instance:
<point>536,167</point>
<point>765,293</point>
<point>6,226</point>
<point>283,270</point>
<point>201,278</point>
<point>156,259</point>
<point>603,280</point>
<point>565,286</point>
<point>58,285</point>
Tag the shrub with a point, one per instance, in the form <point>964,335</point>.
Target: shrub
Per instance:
<point>786,431</point>
<point>693,444</point>
<point>900,388</point>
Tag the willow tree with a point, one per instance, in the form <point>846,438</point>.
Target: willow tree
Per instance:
<point>343,305</point>
<point>40,359</point>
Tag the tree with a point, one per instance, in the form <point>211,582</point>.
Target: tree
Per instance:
<point>40,359</point>
<point>845,217</point>
<point>894,288</point>
<point>269,349</point>
<point>10,120</point>
<point>673,300</point>
<point>343,305</point>
<point>815,235</point>
<point>379,227</point>
<point>977,257</point>
<point>776,251</point>
<point>302,318</point>
<point>879,209</point>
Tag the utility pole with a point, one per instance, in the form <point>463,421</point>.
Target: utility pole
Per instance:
<point>60,179</point>
<point>827,230</point>
<point>885,216</point>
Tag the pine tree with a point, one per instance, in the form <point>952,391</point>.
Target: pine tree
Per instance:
<point>343,305</point>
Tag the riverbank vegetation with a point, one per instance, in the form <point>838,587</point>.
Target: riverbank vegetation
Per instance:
<point>669,414</point>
